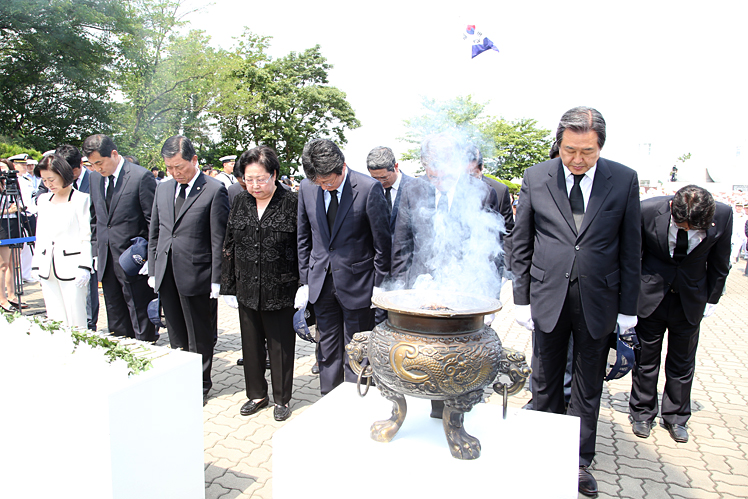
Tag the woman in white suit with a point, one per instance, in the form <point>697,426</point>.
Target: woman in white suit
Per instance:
<point>62,257</point>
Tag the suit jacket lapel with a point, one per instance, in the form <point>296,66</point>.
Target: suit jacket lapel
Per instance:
<point>346,201</point>
<point>197,189</point>
<point>557,186</point>
<point>119,186</point>
<point>662,228</point>
<point>601,186</point>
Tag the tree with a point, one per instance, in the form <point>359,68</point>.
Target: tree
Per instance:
<point>517,145</point>
<point>282,103</point>
<point>508,147</point>
<point>54,74</point>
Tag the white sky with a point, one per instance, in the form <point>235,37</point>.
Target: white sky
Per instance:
<point>670,74</point>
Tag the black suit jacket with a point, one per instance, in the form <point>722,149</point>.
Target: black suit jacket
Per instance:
<point>607,249</point>
<point>699,278</point>
<point>358,248</point>
<point>404,180</point>
<point>194,236</point>
<point>412,247</point>
<point>127,217</point>
<point>505,202</point>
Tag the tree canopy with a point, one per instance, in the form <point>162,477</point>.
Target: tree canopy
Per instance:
<point>508,147</point>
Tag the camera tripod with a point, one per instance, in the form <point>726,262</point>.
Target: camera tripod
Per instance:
<point>10,195</point>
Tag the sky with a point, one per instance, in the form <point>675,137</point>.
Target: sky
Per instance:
<point>668,77</point>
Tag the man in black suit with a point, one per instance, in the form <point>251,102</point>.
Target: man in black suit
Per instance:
<point>82,183</point>
<point>382,166</point>
<point>187,230</point>
<point>121,202</point>
<point>344,253</point>
<point>575,256</point>
<point>685,262</point>
<point>475,168</point>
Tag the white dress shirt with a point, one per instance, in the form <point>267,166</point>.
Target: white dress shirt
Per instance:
<point>189,185</point>
<point>694,237</point>
<point>115,174</point>
<point>338,191</point>
<point>585,184</point>
<point>394,188</point>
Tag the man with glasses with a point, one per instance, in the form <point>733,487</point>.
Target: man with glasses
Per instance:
<point>188,225</point>
<point>685,262</point>
<point>344,253</point>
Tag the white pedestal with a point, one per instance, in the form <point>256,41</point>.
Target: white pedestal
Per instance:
<point>140,439</point>
<point>327,452</point>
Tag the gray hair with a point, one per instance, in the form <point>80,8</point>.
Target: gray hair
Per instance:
<point>381,158</point>
<point>474,154</point>
<point>582,119</point>
<point>443,151</point>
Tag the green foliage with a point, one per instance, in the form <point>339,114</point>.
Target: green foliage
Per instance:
<point>508,147</point>
<point>8,149</point>
<point>281,103</point>
<point>54,81</point>
<point>513,188</point>
<point>685,157</point>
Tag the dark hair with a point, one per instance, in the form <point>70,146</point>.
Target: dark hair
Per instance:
<point>474,154</point>
<point>320,158</point>
<point>161,174</point>
<point>132,159</point>
<point>71,154</point>
<point>695,205</point>
<point>582,119</point>
<point>381,158</point>
<point>155,169</point>
<point>8,163</point>
<point>178,144</point>
<point>99,143</point>
<point>263,156</point>
<point>554,150</point>
<point>57,164</point>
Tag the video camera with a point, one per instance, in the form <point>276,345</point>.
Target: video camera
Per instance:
<point>10,180</point>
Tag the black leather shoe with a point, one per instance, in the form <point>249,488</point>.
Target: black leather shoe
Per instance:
<point>641,428</point>
<point>587,482</point>
<point>250,406</point>
<point>315,368</point>
<point>677,431</point>
<point>281,412</point>
<point>240,362</point>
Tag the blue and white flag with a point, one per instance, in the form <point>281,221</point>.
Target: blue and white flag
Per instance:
<point>478,42</point>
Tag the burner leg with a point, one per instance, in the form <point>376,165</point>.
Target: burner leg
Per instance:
<point>461,445</point>
<point>385,430</point>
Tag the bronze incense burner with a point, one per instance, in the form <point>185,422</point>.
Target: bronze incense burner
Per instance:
<point>435,345</point>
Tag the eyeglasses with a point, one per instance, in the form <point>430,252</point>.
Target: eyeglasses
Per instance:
<point>258,180</point>
<point>329,183</point>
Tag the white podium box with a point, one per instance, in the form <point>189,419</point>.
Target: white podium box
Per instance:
<point>70,436</point>
<point>327,452</point>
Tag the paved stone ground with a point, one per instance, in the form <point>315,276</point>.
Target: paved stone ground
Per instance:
<point>713,464</point>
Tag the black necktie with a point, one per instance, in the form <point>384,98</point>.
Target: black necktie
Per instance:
<point>332,210</point>
<point>681,245</point>
<point>109,191</point>
<point>180,199</point>
<point>577,201</point>
<point>75,186</point>
<point>388,197</point>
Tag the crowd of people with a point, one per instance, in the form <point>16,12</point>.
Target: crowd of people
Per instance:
<point>589,254</point>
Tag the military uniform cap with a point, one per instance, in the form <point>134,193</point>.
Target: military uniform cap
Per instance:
<point>227,158</point>
<point>19,158</point>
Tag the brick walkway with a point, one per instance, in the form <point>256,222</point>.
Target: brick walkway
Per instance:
<point>713,464</point>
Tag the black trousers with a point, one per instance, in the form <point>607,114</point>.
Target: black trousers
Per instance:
<point>92,302</point>
<point>337,325</point>
<point>191,321</point>
<point>680,363</point>
<point>274,327</point>
<point>590,359</point>
<point>126,299</point>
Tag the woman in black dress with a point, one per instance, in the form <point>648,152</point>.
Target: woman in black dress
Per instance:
<point>260,268</point>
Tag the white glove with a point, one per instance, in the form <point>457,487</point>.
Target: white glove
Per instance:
<point>215,290</point>
<point>709,309</point>
<point>34,275</point>
<point>626,321</point>
<point>96,263</point>
<point>82,279</point>
<point>152,282</point>
<point>374,292</point>
<point>144,269</point>
<point>302,297</point>
<point>230,300</point>
<point>523,316</point>
<point>488,319</point>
